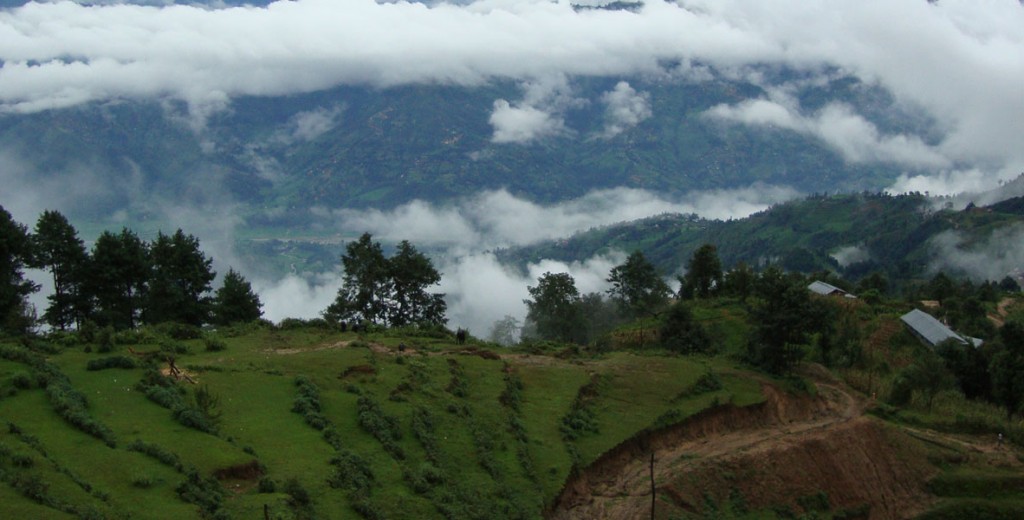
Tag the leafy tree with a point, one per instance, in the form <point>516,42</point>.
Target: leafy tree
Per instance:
<point>940,287</point>
<point>681,333</point>
<point>57,248</point>
<point>1007,369</point>
<point>409,302</point>
<point>15,252</point>
<point>180,284</point>
<point>235,301</point>
<point>118,278</point>
<point>703,273</point>
<point>876,280</point>
<point>970,367</point>
<point>365,286</point>
<point>739,282</point>
<point>784,316</point>
<point>598,316</point>
<point>927,376</point>
<point>553,309</point>
<point>636,286</point>
<point>1008,284</point>
<point>387,291</point>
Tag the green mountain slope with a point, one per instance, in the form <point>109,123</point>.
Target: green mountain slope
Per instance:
<point>894,234</point>
<point>372,147</point>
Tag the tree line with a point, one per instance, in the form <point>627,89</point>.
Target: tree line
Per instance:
<point>121,282</point>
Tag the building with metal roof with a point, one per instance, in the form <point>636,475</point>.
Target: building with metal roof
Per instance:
<point>825,289</point>
<point>932,331</point>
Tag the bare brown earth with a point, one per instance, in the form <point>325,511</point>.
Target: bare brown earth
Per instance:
<point>767,455</point>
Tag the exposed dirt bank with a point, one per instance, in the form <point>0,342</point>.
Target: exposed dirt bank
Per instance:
<point>789,451</point>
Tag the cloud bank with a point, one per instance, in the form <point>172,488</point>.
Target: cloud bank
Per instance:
<point>961,62</point>
<point>494,219</point>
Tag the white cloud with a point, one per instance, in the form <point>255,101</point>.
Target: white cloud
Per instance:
<point>625,108</point>
<point>494,219</point>
<point>855,138</point>
<point>960,62</point>
<point>522,124</point>
<point>1000,255</point>
<point>850,255</point>
<point>308,125</point>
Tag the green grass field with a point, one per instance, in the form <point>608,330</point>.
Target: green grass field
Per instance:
<point>459,445</point>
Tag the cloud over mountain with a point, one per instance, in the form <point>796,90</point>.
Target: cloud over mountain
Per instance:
<point>960,61</point>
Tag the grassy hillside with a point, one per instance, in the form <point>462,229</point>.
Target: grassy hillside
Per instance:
<point>439,430</point>
<point>305,421</point>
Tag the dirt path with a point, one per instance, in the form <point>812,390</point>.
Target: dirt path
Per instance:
<point>800,445</point>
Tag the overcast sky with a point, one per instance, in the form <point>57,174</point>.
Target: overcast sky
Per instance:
<point>961,63</point>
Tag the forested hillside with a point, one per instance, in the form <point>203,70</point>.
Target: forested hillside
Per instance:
<point>852,234</point>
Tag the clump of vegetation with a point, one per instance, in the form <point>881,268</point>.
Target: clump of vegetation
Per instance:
<point>708,382</point>
<point>307,404</point>
<point>201,413</point>
<point>381,426</point>
<point>459,383</point>
<point>110,362</point>
<point>214,344</point>
<point>581,420</point>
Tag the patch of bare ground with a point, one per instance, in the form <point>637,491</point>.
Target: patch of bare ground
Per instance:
<point>771,454</point>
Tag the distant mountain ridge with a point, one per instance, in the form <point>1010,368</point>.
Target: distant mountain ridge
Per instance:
<point>363,147</point>
<point>905,236</point>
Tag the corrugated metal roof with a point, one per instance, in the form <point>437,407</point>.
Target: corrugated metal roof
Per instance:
<point>824,289</point>
<point>929,328</point>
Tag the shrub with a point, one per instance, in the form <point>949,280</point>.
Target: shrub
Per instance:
<point>154,451</point>
<point>298,496</point>
<point>381,426</point>
<point>214,344</point>
<point>22,380</point>
<point>267,485</point>
<point>105,340</point>
<point>110,362</point>
<point>352,473</point>
<point>178,331</point>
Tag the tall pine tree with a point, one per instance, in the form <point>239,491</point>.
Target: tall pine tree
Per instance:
<point>118,278</point>
<point>15,253</point>
<point>180,284</point>
<point>59,250</point>
<point>235,301</point>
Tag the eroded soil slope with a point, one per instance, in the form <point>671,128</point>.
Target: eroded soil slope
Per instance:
<point>777,453</point>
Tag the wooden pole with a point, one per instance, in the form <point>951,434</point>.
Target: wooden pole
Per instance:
<point>653,490</point>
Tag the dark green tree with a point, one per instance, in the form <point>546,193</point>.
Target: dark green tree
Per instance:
<point>928,377</point>
<point>366,284</point>
<point>235,301</point>
<point>554,310</point>
<point>680,332</point>
<point>1010,285</point>
<point>637,288</point>
<point>703,273</point>
<point>179,288</point>
<point>411,273</point>
<point>598,316</point>
<point>876,280</point>
<point>15,254</point>
<point>739,282</point>
<point>970,366</point>
<point>58,249</point>
<point>783,317</point>
<point>118,277</point>
<point>1007,369</point>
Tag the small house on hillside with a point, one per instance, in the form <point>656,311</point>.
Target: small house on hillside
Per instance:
<point>825,289</point>
<point>932,331</point>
